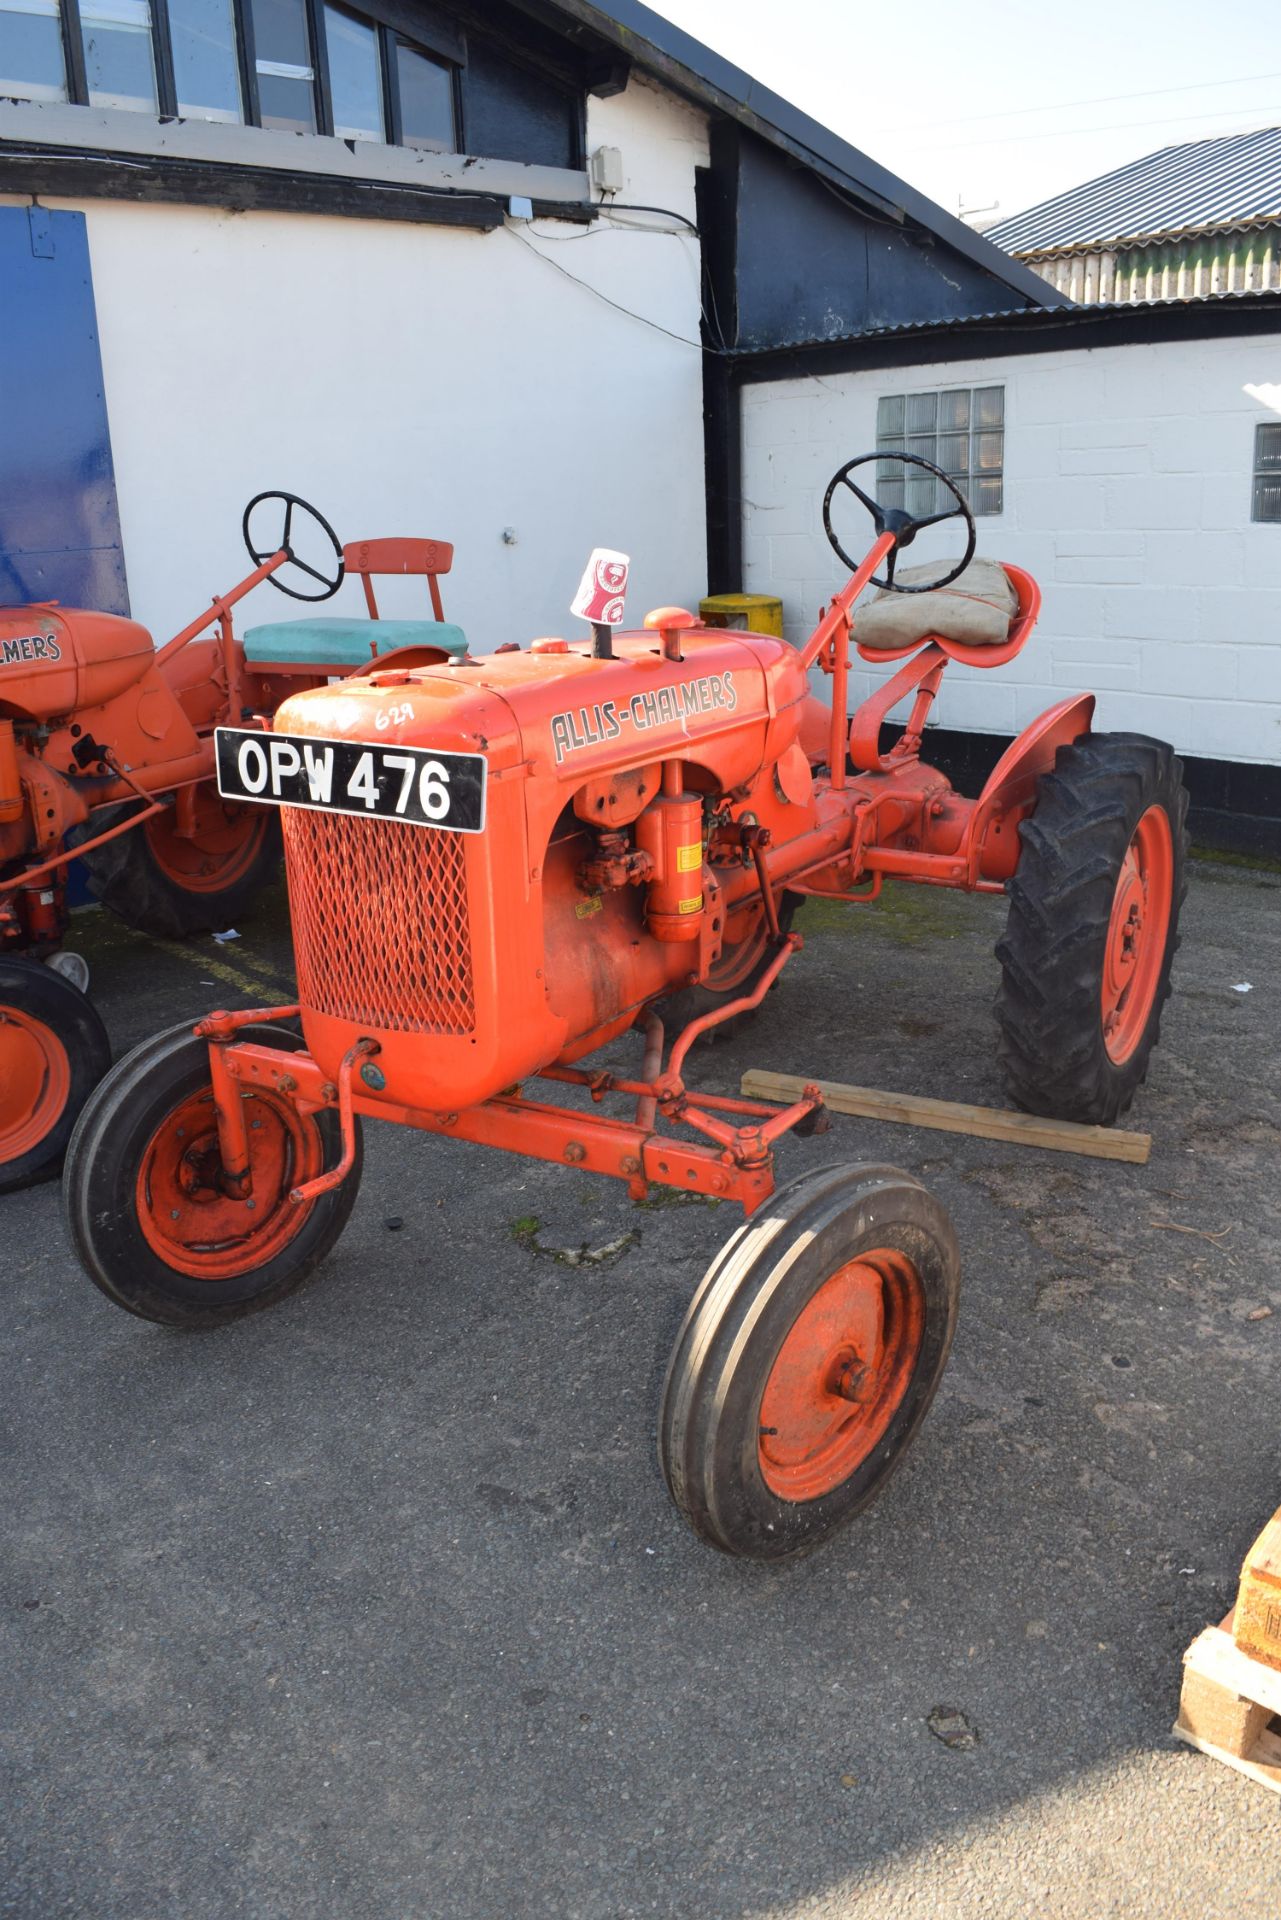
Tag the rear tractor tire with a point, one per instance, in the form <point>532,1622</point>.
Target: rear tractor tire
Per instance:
<point>808,1359</point>
<point>155,1229</point>
<point>53,1051</point>
<point>1093,927</point>
<point>166,885</point>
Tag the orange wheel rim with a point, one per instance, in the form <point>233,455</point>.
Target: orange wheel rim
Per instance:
<point>35,1082</point>
<point>223,847</point>
<point>187,1217</point>
<point>841,1374</point>
<point>1137,932</point>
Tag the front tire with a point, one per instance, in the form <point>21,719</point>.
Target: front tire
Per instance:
<point>808,1359</point>
<point>148,1218</point>
<point>53,1051</point>
<point>1093,927</point>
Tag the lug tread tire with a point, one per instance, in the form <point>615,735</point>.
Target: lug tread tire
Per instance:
<point>707,1446</point>
<point>1048,1005</point>
<point>100,1175</point>
<point>52,998</point>
<point>127,879</point>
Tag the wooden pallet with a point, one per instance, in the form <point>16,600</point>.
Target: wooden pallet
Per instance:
<point>1230,1706</point>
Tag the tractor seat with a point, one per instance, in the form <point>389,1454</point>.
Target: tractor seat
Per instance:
<point>340,643</point>
<point>974,610</point>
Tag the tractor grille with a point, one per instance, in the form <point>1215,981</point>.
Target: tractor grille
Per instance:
<point>380,927</point>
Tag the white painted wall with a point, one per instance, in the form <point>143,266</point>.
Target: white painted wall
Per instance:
<point>415,380</point>
<point>1127,495</point>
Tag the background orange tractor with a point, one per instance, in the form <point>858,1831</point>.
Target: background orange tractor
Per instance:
<point>107,752</point>
<point>528,854</point>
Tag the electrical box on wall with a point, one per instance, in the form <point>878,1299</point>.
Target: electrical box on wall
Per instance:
<point>607,169</point>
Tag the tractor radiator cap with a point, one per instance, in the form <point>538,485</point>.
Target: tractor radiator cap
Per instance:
<point>549,646</point>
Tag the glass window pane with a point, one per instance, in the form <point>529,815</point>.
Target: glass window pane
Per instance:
<point>1267,447</point>
<point>989,406</point>
<point>922,411</point>
<point>889,416</point>
<point>988,451</point>
<point>31,63</point>
<point>954,453</point>
<point>426,101</point>
<point>954,411</point>
<point>203,36</point>
<point>355,76</point>
<point>1267,498</point>
<point>282,56</point>
<point>118,63</point>
<point>920,491</point>
<point>889,492</point>
<point>985,496</point>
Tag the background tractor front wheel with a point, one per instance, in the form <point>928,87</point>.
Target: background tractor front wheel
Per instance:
<point>154,1227</point>
<point>166,883</point>
<point>53,1051</point>
<point>808,1360</point>
<point>1093,927</point>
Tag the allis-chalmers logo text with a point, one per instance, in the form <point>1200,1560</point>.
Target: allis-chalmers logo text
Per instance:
<point>32,646</point>
<point>589,726</point>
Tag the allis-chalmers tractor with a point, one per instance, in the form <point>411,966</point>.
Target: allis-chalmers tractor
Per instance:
<point>107,752</point>
<point>498,866</point>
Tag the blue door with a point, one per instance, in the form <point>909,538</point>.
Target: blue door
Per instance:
<point>59,523</point>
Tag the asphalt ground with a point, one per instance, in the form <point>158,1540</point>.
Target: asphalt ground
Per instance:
<point>374,1605</point>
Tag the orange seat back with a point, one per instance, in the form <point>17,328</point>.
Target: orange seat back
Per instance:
<point>427,557</point>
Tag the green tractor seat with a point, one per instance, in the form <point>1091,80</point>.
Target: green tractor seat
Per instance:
<point>341,644</point>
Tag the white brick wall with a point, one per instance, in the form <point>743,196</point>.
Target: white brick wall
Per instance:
<point>1127,495</point>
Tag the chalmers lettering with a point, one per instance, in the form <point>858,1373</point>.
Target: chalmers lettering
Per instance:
<point>27,647</point>
<point>659,707</point>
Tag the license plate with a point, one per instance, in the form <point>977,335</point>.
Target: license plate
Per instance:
<point>445,790</point>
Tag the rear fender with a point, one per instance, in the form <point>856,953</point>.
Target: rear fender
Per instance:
<point>992,842</point>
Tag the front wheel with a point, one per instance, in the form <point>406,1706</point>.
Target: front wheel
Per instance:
<point>808,1360</point>
<point>53,1051</point>
<point>1093,927</point>
<point>153,1225</point>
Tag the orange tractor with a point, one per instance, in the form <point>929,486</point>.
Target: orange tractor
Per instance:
<point>525,855</point>
<point>107,753</point>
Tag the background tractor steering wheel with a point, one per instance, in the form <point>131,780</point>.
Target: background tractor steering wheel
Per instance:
<point>904,526</point>
<point>328,586</point>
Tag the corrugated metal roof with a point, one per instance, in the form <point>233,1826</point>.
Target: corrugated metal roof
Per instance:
<point>1225,181</point>
<point>1033,319</point>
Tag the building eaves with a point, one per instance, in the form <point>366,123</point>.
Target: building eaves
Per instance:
<point>1223,181</point>
<point>689,68</point>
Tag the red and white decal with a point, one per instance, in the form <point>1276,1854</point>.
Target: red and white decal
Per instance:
<point>602,589</point>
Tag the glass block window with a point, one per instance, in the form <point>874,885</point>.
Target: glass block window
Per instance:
<point>32,66</point>
<point>961,430</point>
<point>1265,503</point>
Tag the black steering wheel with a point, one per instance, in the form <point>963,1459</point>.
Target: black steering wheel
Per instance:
<point>328,587</point>
<point>904,526</point>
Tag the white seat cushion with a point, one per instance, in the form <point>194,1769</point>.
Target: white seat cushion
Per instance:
<point>975,609</point>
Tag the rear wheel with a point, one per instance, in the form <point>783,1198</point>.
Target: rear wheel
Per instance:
<point>53,1051</point>
<point>808,1360</point>
<point>167,883</point>
<point>1093,927</point>
<point>150,1218</point>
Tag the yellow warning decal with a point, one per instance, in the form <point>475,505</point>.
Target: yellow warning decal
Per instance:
<point>586,908</point>
<point>689,859</point>
<point>692,906</point>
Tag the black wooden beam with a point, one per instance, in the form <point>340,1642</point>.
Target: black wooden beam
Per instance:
<point>76,173</point>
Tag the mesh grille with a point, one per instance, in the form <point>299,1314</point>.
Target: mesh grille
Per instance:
<point>380,928</point>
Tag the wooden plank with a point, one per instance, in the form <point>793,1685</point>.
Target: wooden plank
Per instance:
<point>1257,1624</point>
<point>954,1116</point>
